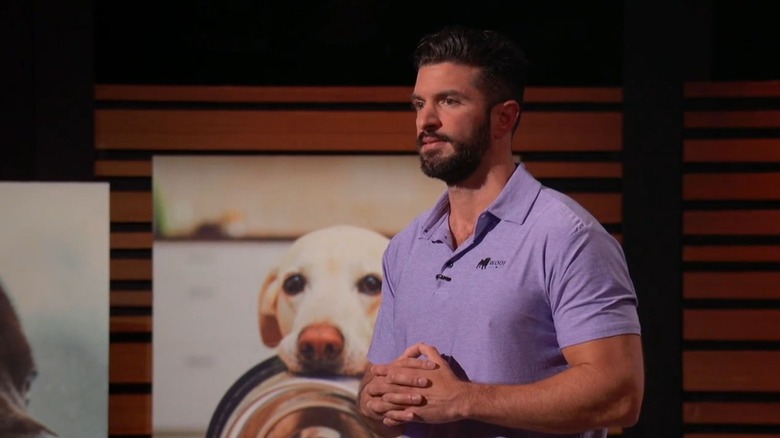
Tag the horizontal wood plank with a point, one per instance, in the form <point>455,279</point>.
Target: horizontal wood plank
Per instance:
<point>131,269</point>
<point>732,119</point>
<point>731,186</point>
<point>704,89</point>
<point>198,130</point>
<point>125,168</point>
<point>131,206</point>
<point>540,169</point>
<point>732,222</point>
<point>569,169</point>
<point>750,150</point>
<point>731,413</point>
<point>137,206</point>
<point>122,298</point>
<point>249,94</point>
<point>348,94</point>
<point>754,371</point>
<point>131,324</point>
<point>574,94</point>
<point>130,362</point>
<point>731,285</point>
<point>130,414</point>
<point>731,325</point>
<point>569,132</point>
<point>606,207</point>
<point>329,131</point>
<point>131,240</point>
<point>732,253</point>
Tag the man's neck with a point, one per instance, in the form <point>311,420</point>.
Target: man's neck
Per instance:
<point>469,199</point>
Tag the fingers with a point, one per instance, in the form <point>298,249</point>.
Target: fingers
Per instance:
<point>424,364</point>
<point>433,354</point>
<point>393,379</point>
<point>411,358</point>
<point>401,363</point>
<point>396,418</point>
<point>412,352</point>
<point>380,406</point>
<point>402,400</point>
<point>389,405</point>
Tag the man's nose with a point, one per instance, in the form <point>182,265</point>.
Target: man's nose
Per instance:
<point>428,119</point>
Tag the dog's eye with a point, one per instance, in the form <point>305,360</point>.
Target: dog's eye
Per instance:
<point>294,284</point>
<point>370,284</point>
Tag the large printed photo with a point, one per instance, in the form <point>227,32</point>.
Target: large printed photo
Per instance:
<point>267,280</point>
<point>54,309</point>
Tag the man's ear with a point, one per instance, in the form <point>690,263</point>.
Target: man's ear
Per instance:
<point>507,115</point>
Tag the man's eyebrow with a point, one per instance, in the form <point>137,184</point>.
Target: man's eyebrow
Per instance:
<point>439,95</point>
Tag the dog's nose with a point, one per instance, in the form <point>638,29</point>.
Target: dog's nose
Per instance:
<point>320,342</point>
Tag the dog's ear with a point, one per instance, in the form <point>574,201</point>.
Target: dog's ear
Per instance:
<point>269,324</point>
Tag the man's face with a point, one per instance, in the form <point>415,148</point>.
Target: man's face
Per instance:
<point>453,123</point>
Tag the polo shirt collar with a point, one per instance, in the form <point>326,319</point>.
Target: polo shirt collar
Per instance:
<point>518,196</point>
<point>513,203</point>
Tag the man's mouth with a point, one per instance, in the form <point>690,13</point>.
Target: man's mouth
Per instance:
<point>429,141</point>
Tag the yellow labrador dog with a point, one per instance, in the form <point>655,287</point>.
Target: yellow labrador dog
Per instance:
<point>319,304</point>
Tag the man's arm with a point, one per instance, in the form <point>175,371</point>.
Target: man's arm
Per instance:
<point>602,387</point>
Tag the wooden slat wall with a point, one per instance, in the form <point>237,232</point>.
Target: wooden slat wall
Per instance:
<point>731,260</point>
<point>571,138</point>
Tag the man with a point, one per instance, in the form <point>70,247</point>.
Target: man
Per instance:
<point>507,309</point>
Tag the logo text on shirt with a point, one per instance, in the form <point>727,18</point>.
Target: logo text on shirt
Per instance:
<point>487,262</point>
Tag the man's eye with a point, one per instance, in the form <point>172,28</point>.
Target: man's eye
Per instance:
<point>417,105</point>
<point>450,101</point>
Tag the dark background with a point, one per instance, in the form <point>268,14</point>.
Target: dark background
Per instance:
<point>368,42</point>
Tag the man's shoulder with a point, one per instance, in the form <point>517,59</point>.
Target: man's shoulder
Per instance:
<point>561,212</point>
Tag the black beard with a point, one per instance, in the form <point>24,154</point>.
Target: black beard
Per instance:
<point>462,164</point>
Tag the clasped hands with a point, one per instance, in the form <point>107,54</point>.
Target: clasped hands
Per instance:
<point>413,388</point>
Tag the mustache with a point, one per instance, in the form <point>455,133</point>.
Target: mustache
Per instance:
<point>431,136</point>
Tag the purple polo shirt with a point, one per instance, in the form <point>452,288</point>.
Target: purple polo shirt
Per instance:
<point>539,274</point>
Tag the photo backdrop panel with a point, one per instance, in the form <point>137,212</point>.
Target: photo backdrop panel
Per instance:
<point>54,267</point>
<point>222,225</point>
<point>286,196</point>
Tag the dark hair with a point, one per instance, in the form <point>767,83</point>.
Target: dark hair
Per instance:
<point>501,61</point>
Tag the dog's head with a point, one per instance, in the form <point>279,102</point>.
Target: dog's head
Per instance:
<point>319,304</point>
<point>17,371</point>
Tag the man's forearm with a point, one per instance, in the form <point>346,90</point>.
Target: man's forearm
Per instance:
<point>602,387</point>
<point>564,403</point>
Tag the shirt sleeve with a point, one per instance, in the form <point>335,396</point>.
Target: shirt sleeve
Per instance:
<point>591,293</point>
<point>383,345</point>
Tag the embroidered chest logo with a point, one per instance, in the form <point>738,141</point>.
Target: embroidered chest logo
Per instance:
<point>487,262</point>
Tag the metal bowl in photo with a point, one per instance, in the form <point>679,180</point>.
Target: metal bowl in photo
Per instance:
<point>269,402</point>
